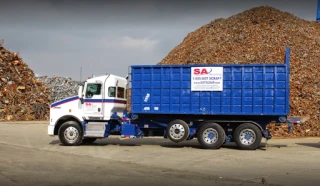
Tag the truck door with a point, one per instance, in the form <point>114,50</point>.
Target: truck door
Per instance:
<point>93,101</point>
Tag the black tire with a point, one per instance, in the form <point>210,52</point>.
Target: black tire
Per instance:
<point>202,137</point>
<point>88,140</point>
<point>253,132</point>
<point>178,131</point>
<point>73,130</point>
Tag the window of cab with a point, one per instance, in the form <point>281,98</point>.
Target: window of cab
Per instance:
<point>93,89</point>
<point>118,92</point>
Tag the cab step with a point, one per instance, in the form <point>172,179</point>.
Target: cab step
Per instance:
<point>95,129</point>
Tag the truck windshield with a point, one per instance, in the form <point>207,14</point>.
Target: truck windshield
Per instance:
<point>93,89</point>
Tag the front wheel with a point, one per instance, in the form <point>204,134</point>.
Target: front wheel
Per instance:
<point>70,133</point>
<point>211,136</point>
<point>247,136</point>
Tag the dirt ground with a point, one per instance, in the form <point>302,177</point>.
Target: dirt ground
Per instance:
<point>28,156</point>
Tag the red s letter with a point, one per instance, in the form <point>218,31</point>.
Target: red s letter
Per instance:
<point>196,71</point>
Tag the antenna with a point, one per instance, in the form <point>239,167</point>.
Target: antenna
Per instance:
<point>80,73</point>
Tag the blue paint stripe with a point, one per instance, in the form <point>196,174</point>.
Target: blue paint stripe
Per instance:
<point>64,101</point>
<point>104,101</point>
<point>88,100</point>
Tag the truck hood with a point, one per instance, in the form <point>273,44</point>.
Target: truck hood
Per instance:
<point>66,100</point>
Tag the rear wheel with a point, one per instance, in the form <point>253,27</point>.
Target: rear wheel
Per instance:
<point>247,136</point>
<point>178,131</point>
<point>211,136</point>
<point>70,133</point>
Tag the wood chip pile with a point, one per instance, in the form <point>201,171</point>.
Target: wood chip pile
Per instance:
<point>260,35</point>
<point>22,96</point>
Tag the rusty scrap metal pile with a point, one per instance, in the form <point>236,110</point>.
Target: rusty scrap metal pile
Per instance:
<point>260,35</point>
<point>22,96</point>
<point>59,87</point>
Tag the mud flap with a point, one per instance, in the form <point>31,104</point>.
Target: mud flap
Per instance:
<point>267,136</point>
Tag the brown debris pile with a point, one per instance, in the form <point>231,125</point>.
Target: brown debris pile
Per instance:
<point>310,129</point>
<point>22,96</point>
<point>260,35</point>
<point>128,94</point>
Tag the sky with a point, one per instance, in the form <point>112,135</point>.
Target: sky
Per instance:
<point>59,37</point>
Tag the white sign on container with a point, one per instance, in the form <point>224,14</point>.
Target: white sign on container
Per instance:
<point>206,78</point>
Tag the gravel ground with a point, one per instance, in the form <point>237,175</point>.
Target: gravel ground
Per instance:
<point>30,157</point>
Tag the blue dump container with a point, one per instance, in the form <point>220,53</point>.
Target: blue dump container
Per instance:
<point>228,89</point>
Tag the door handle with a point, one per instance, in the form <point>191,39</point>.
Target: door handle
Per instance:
<point>98,109</point>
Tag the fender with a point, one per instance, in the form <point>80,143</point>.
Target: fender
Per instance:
<point>240,122</point>
<point>63,119</point>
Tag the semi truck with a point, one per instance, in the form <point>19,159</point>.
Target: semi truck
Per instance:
<point>213,103</point>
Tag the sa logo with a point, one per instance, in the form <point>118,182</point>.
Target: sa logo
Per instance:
<point>198,71</point>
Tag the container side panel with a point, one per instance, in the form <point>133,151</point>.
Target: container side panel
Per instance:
<point>247,90</point>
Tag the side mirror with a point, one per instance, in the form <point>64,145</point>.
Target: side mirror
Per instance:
<point>80,93</point>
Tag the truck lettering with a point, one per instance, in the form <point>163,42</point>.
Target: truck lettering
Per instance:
<point>214,78</point>
<point>146,108</point>
<point>197,71</point>
<point>147,98</point>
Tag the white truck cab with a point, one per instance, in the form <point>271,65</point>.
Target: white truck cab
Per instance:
<point>103,96</point>
<point>99,99</point>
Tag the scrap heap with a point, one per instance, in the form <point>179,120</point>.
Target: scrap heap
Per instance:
<point>22,96</point>
<point>60,87</point>
<point>260,35</point>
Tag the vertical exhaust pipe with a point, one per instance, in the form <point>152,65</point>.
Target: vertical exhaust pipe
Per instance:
<point>318,11</point>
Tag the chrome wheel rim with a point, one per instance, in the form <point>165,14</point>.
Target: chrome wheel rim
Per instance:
<point>71,134</point>
<point>247,137</point>
<point>210,136</point>
<point>177,131</point>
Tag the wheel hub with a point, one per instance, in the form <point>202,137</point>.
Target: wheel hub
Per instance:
<point>71,134</point>
<point>177,131</point>
<point>247,137</point>
<point>210,136</point>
